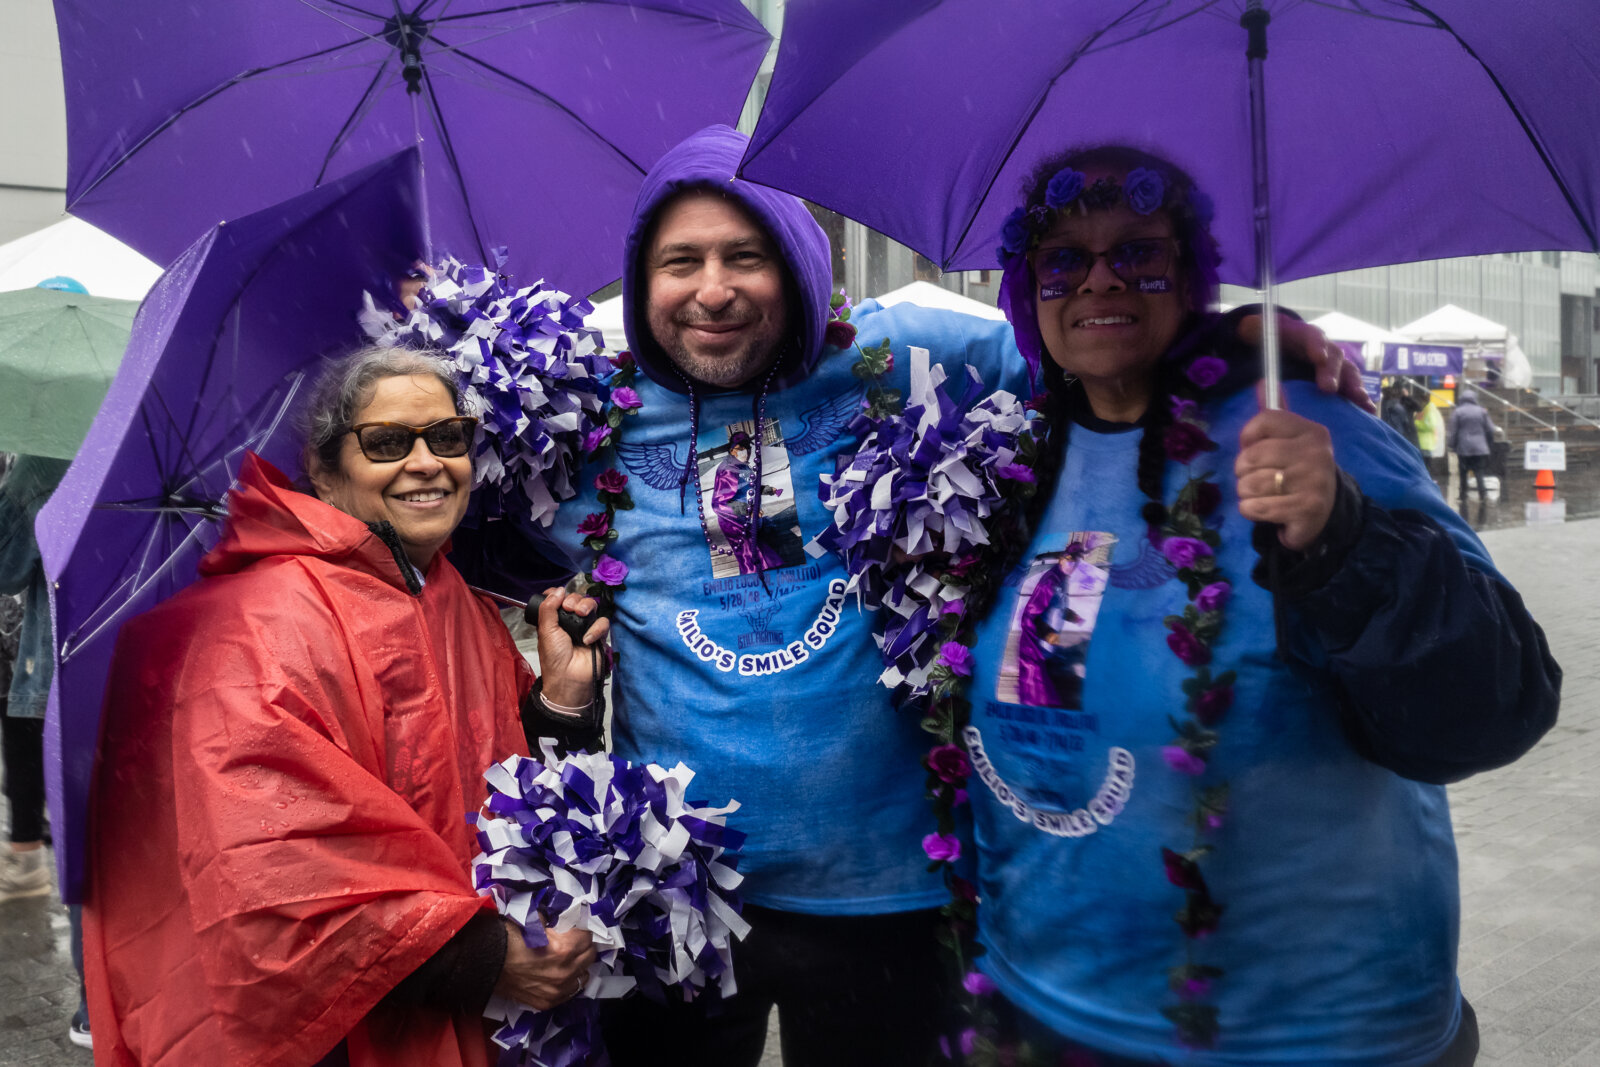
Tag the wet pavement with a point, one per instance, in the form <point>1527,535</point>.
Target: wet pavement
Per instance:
<point>1515,501</point>
<point>1530,855</point>
<point>38,988</point>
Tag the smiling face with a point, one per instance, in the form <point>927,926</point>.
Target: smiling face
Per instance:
<point>1108,332</point>
<point>422,496</point>
<point>714,286</point>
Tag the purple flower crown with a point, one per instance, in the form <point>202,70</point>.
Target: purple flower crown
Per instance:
<point>1069,191</point>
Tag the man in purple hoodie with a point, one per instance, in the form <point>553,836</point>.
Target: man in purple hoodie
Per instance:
<point>760,675</point>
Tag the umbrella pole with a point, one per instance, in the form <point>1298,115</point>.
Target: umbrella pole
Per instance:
<point>422,185</point>
<point>1254,20</point>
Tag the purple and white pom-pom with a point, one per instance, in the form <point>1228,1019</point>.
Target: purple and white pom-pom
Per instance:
<point>593,842</point>
<point>924,482</point>
<point>529,369</point>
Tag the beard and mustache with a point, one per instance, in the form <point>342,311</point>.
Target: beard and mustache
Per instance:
<point>728,369</point>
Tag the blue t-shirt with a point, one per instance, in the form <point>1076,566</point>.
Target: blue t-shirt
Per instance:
<point>1338,878</point>
<point>770,693</point>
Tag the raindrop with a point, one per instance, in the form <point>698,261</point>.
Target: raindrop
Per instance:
<point>245,144</point>
<point>138,90</point>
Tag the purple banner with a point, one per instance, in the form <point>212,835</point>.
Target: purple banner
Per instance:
<point>1372,382</point>
<point>1421,360</point>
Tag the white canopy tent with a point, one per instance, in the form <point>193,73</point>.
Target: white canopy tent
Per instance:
<point>74,249</point>
<point>1341,327</point>
<point>928,295</point>
<point>1483,339</point>
<point>1452,325</point>
<point>607,318</point>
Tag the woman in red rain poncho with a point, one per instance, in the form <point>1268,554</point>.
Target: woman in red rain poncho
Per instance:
<point>279,850</point>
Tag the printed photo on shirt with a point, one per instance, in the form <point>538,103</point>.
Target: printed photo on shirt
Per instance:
<point>1047,644</point>
<point>727,473</point>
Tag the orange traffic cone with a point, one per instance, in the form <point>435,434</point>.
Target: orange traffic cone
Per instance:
<point>1544,486</point>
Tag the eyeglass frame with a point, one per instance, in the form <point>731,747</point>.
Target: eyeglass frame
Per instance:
<point>469,422</point>
<point>1174,251</point>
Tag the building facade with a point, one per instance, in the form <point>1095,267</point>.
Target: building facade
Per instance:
<point>33,121</point>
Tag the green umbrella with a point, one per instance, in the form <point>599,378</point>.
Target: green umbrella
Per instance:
<point>58,354</point>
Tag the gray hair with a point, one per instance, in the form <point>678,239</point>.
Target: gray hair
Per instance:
<point>346,385</point>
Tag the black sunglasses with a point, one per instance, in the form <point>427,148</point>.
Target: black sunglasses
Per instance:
<point>388,442</point>
<point>1063,268</point>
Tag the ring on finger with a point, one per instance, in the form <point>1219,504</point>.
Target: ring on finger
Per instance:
<point>1277,483</point>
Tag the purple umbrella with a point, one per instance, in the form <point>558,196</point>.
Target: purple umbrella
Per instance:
<point>536,118</point>
<point>1398,130</point>
<point>218,352</point>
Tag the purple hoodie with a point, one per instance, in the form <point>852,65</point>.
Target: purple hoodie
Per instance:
<point>709,159</point>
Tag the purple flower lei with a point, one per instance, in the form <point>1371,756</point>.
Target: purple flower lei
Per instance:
<point>606,575</point>
<point>1192,546</point>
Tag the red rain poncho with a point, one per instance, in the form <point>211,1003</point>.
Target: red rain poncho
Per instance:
<point>278,833</point>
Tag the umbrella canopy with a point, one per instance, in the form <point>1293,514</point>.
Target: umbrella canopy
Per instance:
<point>217,355</point>
<point>1396,130</point>
<point>928,295</point>
<point>73,249</point>
<point>536,120</point>
<point>58,352</point>
<point>1452,325</point>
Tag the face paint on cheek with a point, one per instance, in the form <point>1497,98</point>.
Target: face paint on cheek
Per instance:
<point>1154,285</point>
<point>1053,292</point>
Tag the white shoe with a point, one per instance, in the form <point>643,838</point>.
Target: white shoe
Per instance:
<point>24,874</point>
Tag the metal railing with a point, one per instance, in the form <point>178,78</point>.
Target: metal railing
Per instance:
<point>1502,401</point>
<point>1581,418</point>
<point>1585,404</point>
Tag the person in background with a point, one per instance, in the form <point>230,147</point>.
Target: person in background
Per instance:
<point>1399,411</point>
<point>25,870</point>
<point>1471,438</point>
<point>280,867</point>
<point>1430,436</point>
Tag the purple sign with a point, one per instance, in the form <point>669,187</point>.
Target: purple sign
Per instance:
<point>1372,382</point>
<point>1421,360</point>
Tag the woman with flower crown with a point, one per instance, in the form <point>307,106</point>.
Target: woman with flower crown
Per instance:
<point>1228,842</point>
